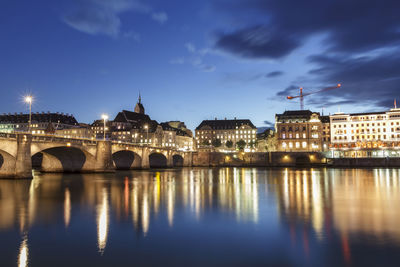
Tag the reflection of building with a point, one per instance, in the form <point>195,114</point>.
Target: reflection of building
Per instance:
<point>366,130</point>
<point>353,201</point>
<point>299,130</point>
<point>18,122</point>
<point>226,130</point>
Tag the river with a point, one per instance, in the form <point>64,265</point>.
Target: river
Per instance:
<point>203,217</point>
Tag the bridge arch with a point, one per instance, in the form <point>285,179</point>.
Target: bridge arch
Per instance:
<point>126,159</point>
<point>177,160</point>
<point>158,160</point>
<point>7,164</point>
<point>63,159</point>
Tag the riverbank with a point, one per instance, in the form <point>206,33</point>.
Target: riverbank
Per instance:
<point>286,159</point>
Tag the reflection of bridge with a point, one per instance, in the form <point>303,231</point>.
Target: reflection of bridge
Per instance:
<point>19,152</point>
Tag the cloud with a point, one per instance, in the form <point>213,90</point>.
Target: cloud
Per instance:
<point>160,17</point>
<point>257,42</point>
<point>97,17</point>
<point>177,61</point>
<point>359,45</point>
<point>133,35</point>
<point>269,123</point>
<point>273,74</point>
<point>368,79</point>
<point>195,58</point>
<point>283,25</point>
<point>103,16</point>
<point>190,47</point>
<point>208,68</point>
<point>290,90</point>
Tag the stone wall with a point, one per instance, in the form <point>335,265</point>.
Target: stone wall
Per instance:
<point>269,159</point>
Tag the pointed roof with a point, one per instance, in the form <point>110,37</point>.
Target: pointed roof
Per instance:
<point>139,107</point>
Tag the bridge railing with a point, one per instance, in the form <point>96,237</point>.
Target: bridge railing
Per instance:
<point>61,139</point>
<point>8,135</point>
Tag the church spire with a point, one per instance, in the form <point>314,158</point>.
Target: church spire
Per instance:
<point>139,106</point>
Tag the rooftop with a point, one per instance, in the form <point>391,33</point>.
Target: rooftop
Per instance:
<point>225,124</point>
<point>39,118</point>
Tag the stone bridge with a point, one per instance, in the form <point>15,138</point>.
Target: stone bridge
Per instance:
<point>20,152</point>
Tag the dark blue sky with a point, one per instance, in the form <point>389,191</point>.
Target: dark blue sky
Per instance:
<point>195,60</point>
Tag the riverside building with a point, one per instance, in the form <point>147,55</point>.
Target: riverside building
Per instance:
<point>300,131</point>
<point>373,134</point>
<point>229,132</point>
<point>138,128</point>
<point>42,122</point>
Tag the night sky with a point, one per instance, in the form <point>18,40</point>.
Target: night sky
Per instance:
<point>195,60</point>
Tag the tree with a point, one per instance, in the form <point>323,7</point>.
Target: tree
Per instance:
<point>252,144</point>
<point>229,144</point>
<point>216,142</point>
<point>205,143</point>
<point>241,144</point>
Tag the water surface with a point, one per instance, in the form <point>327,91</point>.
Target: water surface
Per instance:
<point>203,217</point>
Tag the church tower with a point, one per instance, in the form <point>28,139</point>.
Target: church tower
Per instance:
<point>139,107</point>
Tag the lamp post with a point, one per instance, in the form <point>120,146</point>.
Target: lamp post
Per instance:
<point>29,99</point>
<point>104,117</point>
<point>147,133</point>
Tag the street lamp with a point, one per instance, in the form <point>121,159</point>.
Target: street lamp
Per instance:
<point>147,133</point>
<point>104,117</point>
<point>28,99</point>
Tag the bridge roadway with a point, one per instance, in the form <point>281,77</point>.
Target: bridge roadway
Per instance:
<point>19,152</point>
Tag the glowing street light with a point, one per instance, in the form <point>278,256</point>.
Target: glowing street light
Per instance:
<point>105,118</point>
<point>29,99</point>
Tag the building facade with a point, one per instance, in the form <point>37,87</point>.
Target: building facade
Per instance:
<point>138,128</point>
<point>365,134</point>
<point>228,132</point>
<point>41,123</point>
<point>299,130</point>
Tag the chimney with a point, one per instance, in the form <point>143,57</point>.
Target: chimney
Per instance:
<point>235,118</point>
<point>215,118</point>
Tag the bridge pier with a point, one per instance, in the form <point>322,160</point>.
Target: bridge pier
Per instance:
<point>23,162</point>
<point>188,159</point>
<point>170,160</point>
<point>104,162</point>
<point>145,158</point>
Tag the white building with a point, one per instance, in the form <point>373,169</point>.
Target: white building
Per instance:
<point>366,134</point>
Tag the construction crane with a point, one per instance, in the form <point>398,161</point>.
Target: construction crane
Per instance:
<point>301,95</point>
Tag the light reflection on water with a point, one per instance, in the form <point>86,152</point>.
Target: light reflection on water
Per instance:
<point>304,216</point>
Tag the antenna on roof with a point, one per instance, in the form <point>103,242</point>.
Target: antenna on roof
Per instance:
<point>395,104</point>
